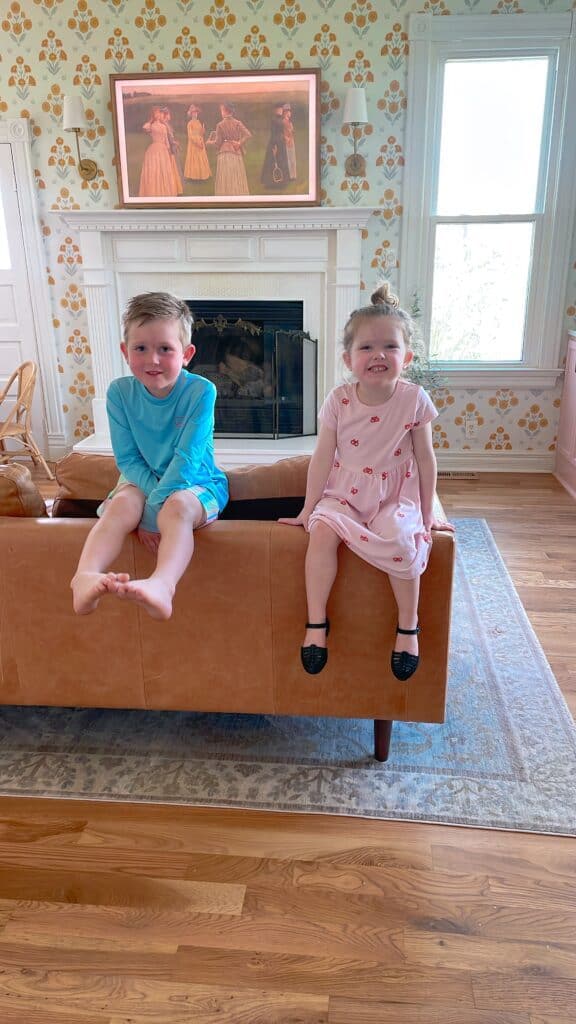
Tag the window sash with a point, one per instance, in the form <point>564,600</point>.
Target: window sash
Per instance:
<point>478,36</point>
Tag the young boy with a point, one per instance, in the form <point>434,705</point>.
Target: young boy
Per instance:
<point>161,425</point>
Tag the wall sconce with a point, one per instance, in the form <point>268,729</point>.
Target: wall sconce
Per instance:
<point>354,114</point>
<point>74,120</point>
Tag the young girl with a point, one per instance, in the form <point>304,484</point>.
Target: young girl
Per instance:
<point>372,478</point>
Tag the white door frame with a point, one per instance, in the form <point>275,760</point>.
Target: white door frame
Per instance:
<point>16,132</point>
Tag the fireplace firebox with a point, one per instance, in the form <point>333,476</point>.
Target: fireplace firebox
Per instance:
<point>263,364</point>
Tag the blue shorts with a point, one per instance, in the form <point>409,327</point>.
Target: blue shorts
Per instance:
<point>205,497</point>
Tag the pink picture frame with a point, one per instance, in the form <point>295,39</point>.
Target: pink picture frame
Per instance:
<point>218,139</point>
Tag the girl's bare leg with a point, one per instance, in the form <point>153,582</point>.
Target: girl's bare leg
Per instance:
<point>406,593</point>
<point>91,581</point>
<point>321,568</point>
<point>179,516</point>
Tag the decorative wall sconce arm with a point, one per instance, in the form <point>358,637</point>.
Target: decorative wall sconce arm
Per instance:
<point>74,120</point>
<point>355,113</point>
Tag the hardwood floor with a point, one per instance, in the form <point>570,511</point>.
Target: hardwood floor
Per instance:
<point>132,914</point>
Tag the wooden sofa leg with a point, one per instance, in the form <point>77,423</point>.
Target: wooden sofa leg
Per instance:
<point>382,736</point>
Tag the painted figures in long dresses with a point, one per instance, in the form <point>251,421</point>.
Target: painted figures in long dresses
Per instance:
<point>275,172</point>
<point>197,166</point>
<point>289,140</point>
<point>157,175</point>
<point>229,138</point>
<point>174,147</point>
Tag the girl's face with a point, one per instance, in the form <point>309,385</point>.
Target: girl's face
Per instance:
<point>378,353</point>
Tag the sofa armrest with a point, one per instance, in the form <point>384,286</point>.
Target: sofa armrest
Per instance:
<point>19,495</point>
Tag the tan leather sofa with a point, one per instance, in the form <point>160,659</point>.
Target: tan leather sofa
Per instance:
<point>233,642</point>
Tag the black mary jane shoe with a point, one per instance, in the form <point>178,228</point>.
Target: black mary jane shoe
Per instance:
<point>314,658</point>
<point>402,663</point>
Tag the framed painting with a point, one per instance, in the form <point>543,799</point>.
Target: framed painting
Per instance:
<point>218,139</point>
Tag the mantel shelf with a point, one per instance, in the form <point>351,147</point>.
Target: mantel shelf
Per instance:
<point>277,219</point>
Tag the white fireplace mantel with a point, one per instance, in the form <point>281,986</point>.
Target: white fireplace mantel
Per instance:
<point>312,254</point>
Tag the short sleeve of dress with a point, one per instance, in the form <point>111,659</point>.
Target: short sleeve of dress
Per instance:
<point>426,411</point>
<point>328,414</point>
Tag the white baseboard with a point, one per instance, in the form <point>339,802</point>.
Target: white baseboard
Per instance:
<point>497,462</point>
<point>58,447</point>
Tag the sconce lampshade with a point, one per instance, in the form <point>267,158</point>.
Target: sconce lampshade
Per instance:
<point>355,111</point>
<point>73,116</point>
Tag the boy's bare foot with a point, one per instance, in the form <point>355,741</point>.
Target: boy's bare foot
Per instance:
<point>89,587</point>
<point>153,595</point>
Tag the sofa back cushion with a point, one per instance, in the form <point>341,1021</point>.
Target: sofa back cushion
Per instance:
<point>93,477</point>
<point>86,476</point>
<point>19,495</point>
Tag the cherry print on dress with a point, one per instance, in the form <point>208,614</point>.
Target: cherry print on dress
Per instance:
<point>397,558</point>
<point>355,442</point>
<point>398,452</point>
<point>408,473</point>
<point>353,490</point>
<point>363,537</point>
<point>374,419</point>
<point>368,470</point>
<point>408,426</point>
<point>345,401</point>
<point>384,476</point>
<point>416,423</point>
<point>343,502</point>
<point>336,465</point>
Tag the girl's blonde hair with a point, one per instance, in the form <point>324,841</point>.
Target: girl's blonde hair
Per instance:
<point>383,303</point>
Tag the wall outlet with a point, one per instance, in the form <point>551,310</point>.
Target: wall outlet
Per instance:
<point>470,426</point>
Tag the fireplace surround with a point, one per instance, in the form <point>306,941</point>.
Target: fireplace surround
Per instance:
<point>307,255</point>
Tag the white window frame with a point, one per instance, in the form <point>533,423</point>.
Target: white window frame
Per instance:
<point>433,40</point>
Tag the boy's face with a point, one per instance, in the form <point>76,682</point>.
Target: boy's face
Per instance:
<point>155,354</point>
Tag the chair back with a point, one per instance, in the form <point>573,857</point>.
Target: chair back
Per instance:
<point>20,413</point>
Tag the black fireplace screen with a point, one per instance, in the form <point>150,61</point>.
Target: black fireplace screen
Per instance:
<point>265,373</point>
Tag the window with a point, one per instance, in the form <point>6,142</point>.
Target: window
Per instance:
<point>489,195</point>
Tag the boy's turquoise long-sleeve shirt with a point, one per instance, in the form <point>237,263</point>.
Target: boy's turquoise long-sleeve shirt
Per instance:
<point>164,445</point>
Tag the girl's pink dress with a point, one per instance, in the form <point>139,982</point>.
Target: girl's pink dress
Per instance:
<point>372,495</point>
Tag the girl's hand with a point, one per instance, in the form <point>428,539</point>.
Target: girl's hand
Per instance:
<point>437,524</point>
<point>149,540</point>
<point>299,520</point>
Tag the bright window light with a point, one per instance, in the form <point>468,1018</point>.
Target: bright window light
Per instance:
<point>492,120</point>
<point>481,274</point>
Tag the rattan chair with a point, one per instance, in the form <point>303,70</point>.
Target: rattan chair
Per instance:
<point>16,427</point>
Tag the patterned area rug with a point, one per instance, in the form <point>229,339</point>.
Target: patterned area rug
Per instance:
<point>505,758</point>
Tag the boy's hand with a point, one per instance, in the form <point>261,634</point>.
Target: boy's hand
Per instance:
<point>149,540</point>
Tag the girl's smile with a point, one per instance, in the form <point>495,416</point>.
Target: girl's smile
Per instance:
<point>377,357</point>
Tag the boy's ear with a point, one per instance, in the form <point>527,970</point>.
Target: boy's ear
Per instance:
<point>189,352</point>
<point>124,350</point>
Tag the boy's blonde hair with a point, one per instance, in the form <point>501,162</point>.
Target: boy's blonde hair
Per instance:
<point>383,303</point>
<point>158,306</point>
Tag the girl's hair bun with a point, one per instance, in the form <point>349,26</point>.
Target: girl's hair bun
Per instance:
<point>384,296</point>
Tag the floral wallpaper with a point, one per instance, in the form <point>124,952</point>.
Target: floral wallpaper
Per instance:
<point>50,47</point>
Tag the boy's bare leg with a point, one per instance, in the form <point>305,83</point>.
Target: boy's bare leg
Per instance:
<point>321,568</point>
<point>91,581</point>
<point>179,516</point>
<point>406,593</point>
